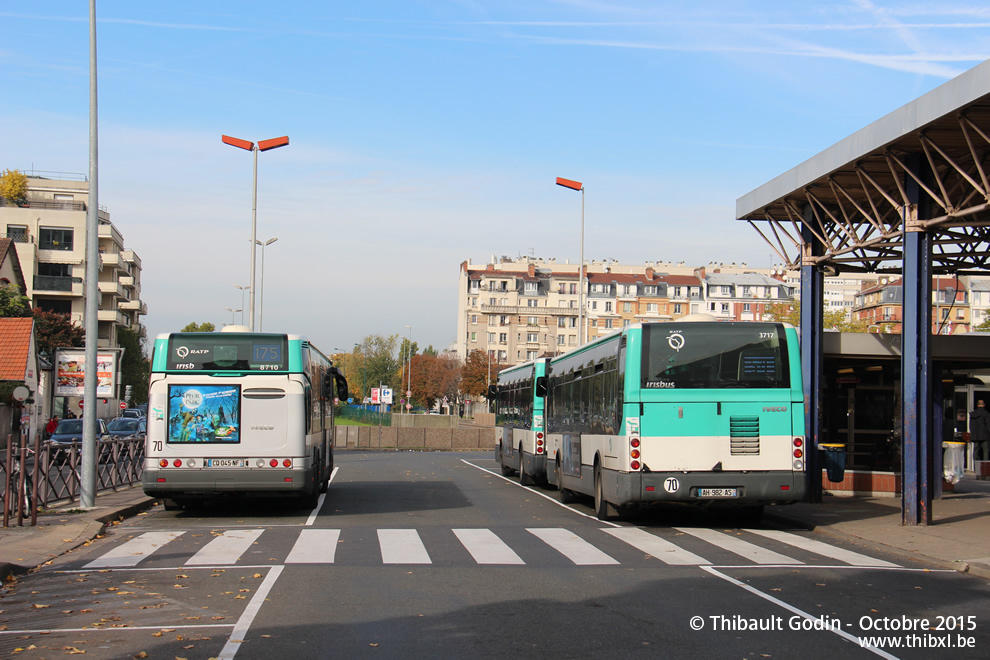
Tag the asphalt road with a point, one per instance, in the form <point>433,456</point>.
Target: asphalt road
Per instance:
<point>417,555</point>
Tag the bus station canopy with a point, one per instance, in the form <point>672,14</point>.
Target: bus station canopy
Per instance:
<point>854,195</point>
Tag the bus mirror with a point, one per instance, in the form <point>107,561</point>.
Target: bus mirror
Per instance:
<point>342,392</point>
<point>492,392</point>
<point>541,387</point>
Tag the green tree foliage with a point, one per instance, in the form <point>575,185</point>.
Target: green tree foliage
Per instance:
<point>199,327</point>
<point>354,366</point>
<point>13,187</point>
<point>983,327</point>
<point>53,330</point>
<point>474,374</point>
<point>382,360</point>
<point>12,303</point>
<point>135,366</point>
<point>831,319</point>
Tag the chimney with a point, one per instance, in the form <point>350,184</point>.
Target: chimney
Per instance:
<point>700,273</point>
<point>649,273</point>
<point>532,270</point>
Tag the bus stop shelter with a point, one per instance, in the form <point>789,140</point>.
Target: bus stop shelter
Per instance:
<point>908,195</point>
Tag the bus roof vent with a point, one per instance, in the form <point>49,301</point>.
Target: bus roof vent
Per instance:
<point>235,328</point>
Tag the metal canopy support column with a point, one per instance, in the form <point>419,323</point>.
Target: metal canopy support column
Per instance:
<point>812,361</point>
<point>916,387</point>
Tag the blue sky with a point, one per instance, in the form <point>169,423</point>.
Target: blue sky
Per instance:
<point>424,133</point>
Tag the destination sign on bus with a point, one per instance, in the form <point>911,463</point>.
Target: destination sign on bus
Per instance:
<point>198,352</point>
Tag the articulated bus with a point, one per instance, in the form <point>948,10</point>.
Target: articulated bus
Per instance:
<point>236,413</point>
<point>520,422</point>
<point>688,411</point>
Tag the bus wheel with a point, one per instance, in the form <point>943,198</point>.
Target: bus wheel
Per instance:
<point>524,479</point>
<point>325,481</point>
<point>506,470</point>
<point>171,505</point>
<point>603,510</point>
<point>564,495</point>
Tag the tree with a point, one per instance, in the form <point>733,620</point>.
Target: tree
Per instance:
<point>135,368</point>
<point>199,327</point>
<point>474,374</point>
<point>434,378</point>
<point>13,187</point>
<point>52,330</point>
<point>381,361</point>
<point>831,319</point>
<point>355,369</point>
<point>12,303</point>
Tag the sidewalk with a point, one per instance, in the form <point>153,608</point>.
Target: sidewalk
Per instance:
<point>957,539</point>
<point>65,528</point>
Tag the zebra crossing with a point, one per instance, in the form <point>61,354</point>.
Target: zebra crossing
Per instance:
<point>684,546</point>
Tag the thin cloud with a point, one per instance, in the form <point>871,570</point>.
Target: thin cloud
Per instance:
<point>124,21</point>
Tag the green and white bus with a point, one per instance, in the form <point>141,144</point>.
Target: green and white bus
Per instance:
<point>236,413</point>
<point>520,424</point>
<point>697,412</point>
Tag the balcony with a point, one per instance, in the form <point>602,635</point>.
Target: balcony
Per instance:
<point>134,305</point>
<point>114,288</point>
<point>131,257</point>
<point>18,236</point>
<point>107,230</point>
<point>111,259</point>
<point>58,284</point>
<point>112,316</point>
<point>126,280</point>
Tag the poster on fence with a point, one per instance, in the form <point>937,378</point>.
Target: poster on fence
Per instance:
<point>70,372</point>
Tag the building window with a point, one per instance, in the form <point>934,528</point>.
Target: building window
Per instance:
<point>650,291</point>
<point>573,288</point>
<point>491,337</point>
<point>474,318</point>
<point>474,302</point>
<point>533,320</point>
<point>608,306</point>
<point>562,322</point>
<point>53,305</point>
<point>594,304</point>
<point>531,288</point>
<point>625,322</point>
<point>532,337</point>
<point>55,270</point>
<point>532,302</point>
<point>573,322</point>
<point>505,301</point>
<point>652,307</point>
<point>503,320</point>
<point>960,313</point>
<point>725,308</point>
<point>503,338</point>
<point>530,355</point>
<point>608,323</point>
<point>503,356</point>
<point>571,340</point>
<point>493,301</point>
<point>54,238</point>
<point>492,321</point>
<point>677,308</point>
<point>573,304</point>
<point>627,307</point>
<point>561,339</point>
<point>747,291</point>
<point>746,307</point>
<point>474,285</point>
<point>474,336</point>
<point>17,233</point>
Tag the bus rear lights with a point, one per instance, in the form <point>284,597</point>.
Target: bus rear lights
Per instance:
<point>785,487</point>
<point>650,489</point>
<point>798,465</point>
<point>287,479</point>
<point>539,437</point>
<point>634,465</point>
<point>634,442</point>
<point>798,442</point>
<point>260,462</point>
<point>273,462</point>
<point>798,453</point>
<point>161,480</point>
<point>287,462</point>
<point>177,462</point>
<point>163,463</point>
<point>634,453</point>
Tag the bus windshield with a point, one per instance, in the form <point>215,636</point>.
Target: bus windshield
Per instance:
<point>714,355</point>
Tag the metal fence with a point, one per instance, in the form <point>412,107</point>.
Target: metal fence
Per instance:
<point>364,416</point>
<point>35,478</point>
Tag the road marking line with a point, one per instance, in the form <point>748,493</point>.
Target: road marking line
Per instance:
<point>819,548</point>
<point>790,608</point>
<point>486,547</point>
<point>226,548</point>
<point>314,546</point>
<point>736,545</point>
<point>543,495</point>
<point>46,631</point>
<point>134,551</point>
<point>239,633</point>
<point>655,546</point>
<point>323,496</point>
<point>402,546</point>
<point>572,546</point>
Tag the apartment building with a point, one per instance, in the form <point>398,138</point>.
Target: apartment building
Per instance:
<point>49,234</point>
<point>881,303</point>
<point>520,309</point>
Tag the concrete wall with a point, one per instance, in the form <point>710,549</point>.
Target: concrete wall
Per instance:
<point>484,419</point>
<point>393,437</point>
<point>424,421</point>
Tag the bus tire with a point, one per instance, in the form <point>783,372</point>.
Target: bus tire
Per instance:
<point>171,505</point>
<point>563,494</point>
<point>603,510</point>
<point>325,480</point>
<point>524,479</point>
<point>506,470</point>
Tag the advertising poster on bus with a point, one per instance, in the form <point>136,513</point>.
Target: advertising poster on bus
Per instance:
<point>204,413</point>
<point>70,372</point>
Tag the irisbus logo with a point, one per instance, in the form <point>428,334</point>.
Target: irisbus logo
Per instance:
<point>774,408</point>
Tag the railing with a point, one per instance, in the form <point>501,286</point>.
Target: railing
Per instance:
<point>18,237</point>
<point>364,416</point>
<point>35,478</point>
<point>52,283</point>
<point>57,205</point>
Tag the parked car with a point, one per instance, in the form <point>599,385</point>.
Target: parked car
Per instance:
<point>132,412</point>
<point>127,427</point>
<point>71,430</point>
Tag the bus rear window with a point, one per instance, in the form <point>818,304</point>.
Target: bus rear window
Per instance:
<point>714,355</point>
<point>227,352</point>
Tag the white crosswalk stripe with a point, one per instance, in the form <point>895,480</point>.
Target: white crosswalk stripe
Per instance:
<point>736,545</point>
<point>402,546</point>
<point>314,546</point>
<point>226,548</point>
<point>486,547</point>
<point>132,552</point>
<point>572,546</point>
<point>662,549</point>
<point>824,549</point>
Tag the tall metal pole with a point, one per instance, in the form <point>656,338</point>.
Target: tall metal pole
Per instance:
<point>581,278</point>
<point>87,489</point>
<point>254,234</point>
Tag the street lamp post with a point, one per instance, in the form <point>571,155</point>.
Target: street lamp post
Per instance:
<point>409,349</point>
<point>232,312</point>
<point>243,289</point>
<point>263,145</point>
<point>261,313</point>
<point>577,185</point>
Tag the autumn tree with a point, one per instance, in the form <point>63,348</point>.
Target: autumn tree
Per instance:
<point>199,327</point>
<point>53,330</point>
<point>435,378</point>
<point>13,304</point>
<point>475,374</point>
<point>832,319</point>
<point>13,187</point>
<point>382,364</point>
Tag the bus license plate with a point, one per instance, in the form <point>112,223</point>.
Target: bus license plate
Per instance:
<point>225,462</point>
<point>717,492</point>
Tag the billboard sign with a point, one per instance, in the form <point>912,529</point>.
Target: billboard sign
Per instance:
<point>70,372</point>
